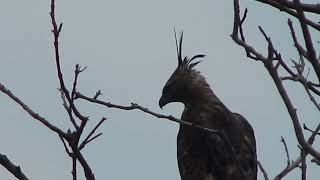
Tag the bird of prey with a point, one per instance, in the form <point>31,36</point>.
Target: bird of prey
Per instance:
<point>229,154</point>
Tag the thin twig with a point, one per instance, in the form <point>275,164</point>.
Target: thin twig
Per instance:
<point>85,141</point>
<point>93,138</point>
<point>287,151</point>
<point>264,172</point>
<point>65,146</point>
<point>56,33</point>
<point>288,169</point>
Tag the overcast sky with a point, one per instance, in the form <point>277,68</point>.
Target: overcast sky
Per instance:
<point>129,49</point>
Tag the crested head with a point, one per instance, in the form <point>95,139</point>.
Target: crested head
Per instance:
<point>186,84</point>
<point>185,63</point>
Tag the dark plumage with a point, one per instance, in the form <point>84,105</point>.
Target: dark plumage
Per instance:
<point>203,155</point>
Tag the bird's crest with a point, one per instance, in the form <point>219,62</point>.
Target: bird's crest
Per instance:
<point>186,62</point>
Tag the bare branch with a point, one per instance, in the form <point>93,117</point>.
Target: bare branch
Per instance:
<point>281,7</point>
<point>315,161</point>
<point>305,127</point>
<point>265,174</point>
<point>65,147</point>
<point>134,106</point>
<point>15,170</point>
<point>94,137</point>
<point>98,93</point>
<point>74,168</point>
<point>68,109</point>
<point>32,113</point>
<point>85,166</point>
<point>312,57</point>
<point>303,165</point>
<point>314,8</point>
<point>56,33</point>
<point>284,172</point>
<point>278,82</point>
<point>286,149</point>
<point>85,141</point>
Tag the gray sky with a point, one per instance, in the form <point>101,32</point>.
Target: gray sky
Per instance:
<point>129,49</point>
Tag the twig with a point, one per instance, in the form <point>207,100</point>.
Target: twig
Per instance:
<point>85,141</point>
<point>93,138</point>
<point>98,93</point>
<point>285,171</point>
<point>15,170</point>
<point>305,127</point>
<point>32,113</point>
<point>65,146</point>
<point>67,108</point>
<point>135,106</point>
<point>56,33</point>
<point>265,174</point>
<point>286,149</point>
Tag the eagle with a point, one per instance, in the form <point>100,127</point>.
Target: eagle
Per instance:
<point>226,153</point>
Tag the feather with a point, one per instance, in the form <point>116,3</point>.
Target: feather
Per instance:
<point>177,47</point>
<point>202,155</point>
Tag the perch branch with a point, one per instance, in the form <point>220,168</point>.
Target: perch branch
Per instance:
<point>13,169</point>
<point>135,106</point>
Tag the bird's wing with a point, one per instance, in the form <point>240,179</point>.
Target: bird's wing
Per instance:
<point>233,152</point>
<point>247,152</point>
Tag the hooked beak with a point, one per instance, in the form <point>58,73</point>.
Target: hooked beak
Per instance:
<point>162,102</point>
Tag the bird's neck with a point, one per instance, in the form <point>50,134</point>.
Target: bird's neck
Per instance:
<point>202,97</point>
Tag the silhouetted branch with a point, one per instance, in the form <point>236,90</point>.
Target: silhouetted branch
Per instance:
<point>33,114</point>
<point>87,139</point>
<point>287,151</point>
<point>272,69</point>
<point>15,170</point>
<point>312,57</point>
<point>288,169</point>
<point>264,172</point>
<point>288,9</point>
<point>303,167</point>
<point>135,106</point>
<point>315,8</point>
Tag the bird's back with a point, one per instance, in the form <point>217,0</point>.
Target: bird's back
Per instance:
<point>206,156</point>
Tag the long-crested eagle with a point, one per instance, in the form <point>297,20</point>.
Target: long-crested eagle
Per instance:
<point>228,155</point>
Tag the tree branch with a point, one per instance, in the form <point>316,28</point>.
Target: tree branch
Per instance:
<point>275,76</point>
<point>15,170</point>
<point>264,172</point>
<point>32,113</point>
<point>312,57</point>
<point>86,140</point>
<point>135,106</point>
<point>281,7</point>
